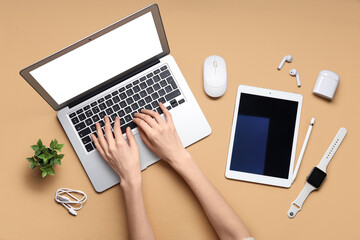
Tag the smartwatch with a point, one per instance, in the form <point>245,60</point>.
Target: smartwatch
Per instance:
<point>317,175</point>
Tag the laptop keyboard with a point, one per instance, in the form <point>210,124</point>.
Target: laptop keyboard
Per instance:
<point>143,93</point>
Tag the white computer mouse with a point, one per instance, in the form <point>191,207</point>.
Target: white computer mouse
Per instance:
<point>215,76</point>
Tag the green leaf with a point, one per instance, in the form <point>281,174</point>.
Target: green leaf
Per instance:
<point>33,165</point>
<point>35,147</point>
<point>37,152</point>
<point>61,156</point>
<point>51,171</point>
<point>39,143</point>
<point>43,168</point>
<point>43,174</point>
<point>30,159</point>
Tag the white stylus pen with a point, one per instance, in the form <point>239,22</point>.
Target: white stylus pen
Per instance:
<point>303,149</point>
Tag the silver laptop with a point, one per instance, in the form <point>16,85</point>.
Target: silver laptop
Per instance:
<point>116,71</point>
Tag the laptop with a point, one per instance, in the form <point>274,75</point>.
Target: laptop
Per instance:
<point>117,71</point>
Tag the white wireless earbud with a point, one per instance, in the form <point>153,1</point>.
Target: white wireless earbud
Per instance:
<point>287,58</point>
<point>293,72</point>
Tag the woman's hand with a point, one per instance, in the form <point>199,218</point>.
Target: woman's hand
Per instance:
<point>121,155</point>
<point>160,135</point>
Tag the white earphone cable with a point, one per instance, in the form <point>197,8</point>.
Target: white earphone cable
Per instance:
<point>64,200</point>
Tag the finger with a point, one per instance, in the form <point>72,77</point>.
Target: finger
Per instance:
<point>147,119</point>
<point>108,133</point>
<point>130,137</point>
<point>166,112</point>
<point>145,139</point>
<point>101,138</point>
<point>98,147</point>
<point>117,130</point>
<point>142,125</point>
<point>153,114</point>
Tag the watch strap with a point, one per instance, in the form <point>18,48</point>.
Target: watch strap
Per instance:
<point>332,149</point>
<point>297,204</point>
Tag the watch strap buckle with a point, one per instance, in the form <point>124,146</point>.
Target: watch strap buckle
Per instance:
<point>294,209</point>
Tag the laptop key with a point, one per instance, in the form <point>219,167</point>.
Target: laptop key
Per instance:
<point>154,104</point>
<point>93,127</point>
<point>129,86</point>
<point>143,94</point>
<point>161,92</point>
<point>109,103</point>
<point>163,83</point>
<point>156,78</point>
<point>115,93</point>
<point>122,121</point>
<point>129,92</point>
<point>149,90</point>
<point>72,115</point>
<point>86,140</point>
<point>181,101</point>
<point>128,118</point>
<point>93,104</point>
<point>136,97</point>
<point>122,96</point>
<point>142,78</point>
<point>165,74</point>
<point>141,103</point>
<point>113,116</point>
<point>128,110</point>
<point>109,111</point>
<point>163,68</point>
<point>95,118</point>
<point>149,75</point>
<point>89,113</point>
<point>116,99</point>
<point>102,123</point>
<point>136,89</point>
<point>130,100</point>
<point>75,120</point>
<point>123,104</point>
<point>88,121</point>
<point>84,132</point>
<point>168,107</point>
<point>148,99</point>
<point>79,111</point>
<point>155,96</point>
<point>101,100</point>
<point>171,81</point>
<point>122,89</point>
<point>107,97</point>
<point>162,100</point>
<point>156,87</point>
<point>131,124</point>
<point>148,107</point>
<point>86,107</point>
<point>80,126</point>
<point>168,89</point>
<point>156,71</point>
<point>95,109</point>
<point>89,147</point>
<point>135,106</point>
<point>121,113</point>
<point>150,82</point>
<point>159,110</point>
<point>172,95</point>
<point>102,106</point>
<point>102,115</point>
<point>116,107</point>
<point>143,85</point>
<point>82,117</point>
<point>136,82</point>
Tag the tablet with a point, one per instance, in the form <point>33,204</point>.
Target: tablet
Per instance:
<point>263,136</point>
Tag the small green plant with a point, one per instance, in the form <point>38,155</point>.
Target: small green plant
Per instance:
<point>46,157</point>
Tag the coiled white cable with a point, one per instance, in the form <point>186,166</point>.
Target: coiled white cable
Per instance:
<point>66,201</point>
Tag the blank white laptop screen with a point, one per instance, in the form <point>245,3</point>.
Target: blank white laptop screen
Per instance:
<point>99,60</point>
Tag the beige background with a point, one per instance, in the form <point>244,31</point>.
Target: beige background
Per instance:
<point>252,36</point>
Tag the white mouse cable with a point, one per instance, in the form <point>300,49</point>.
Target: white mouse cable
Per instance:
<point>65,201</point>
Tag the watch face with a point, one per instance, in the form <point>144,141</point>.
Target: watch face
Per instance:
<point>316,177</point>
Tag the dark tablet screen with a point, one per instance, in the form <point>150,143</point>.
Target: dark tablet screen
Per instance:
<point>264,135</point>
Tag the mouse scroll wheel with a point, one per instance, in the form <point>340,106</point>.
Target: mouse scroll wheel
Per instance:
<point>215,64</point>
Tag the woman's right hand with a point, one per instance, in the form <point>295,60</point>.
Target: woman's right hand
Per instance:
<point>160,135</point>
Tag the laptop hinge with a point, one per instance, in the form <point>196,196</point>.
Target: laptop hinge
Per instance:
<point>114,82</point>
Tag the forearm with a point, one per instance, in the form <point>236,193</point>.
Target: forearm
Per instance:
<point>225,221</point>
<point>138,222</point>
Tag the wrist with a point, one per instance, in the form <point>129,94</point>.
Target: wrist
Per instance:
<point>181,161</point>
<point>130,185</point>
